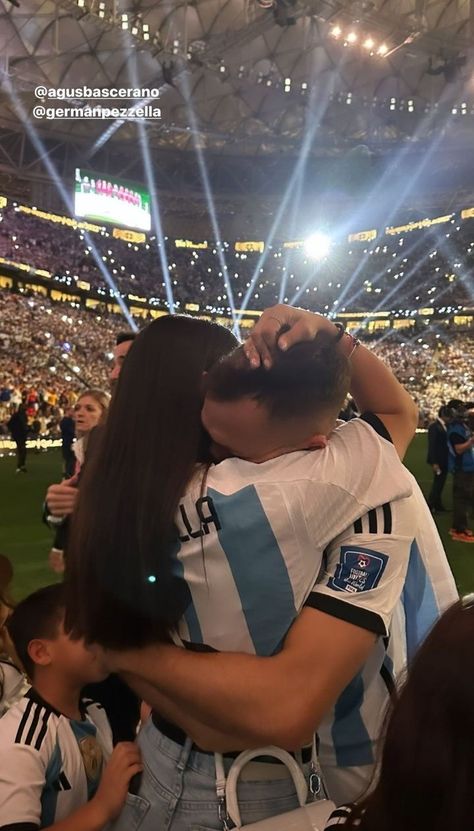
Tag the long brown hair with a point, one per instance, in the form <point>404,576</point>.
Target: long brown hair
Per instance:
<point>425,781</point>
<point>121,587</point>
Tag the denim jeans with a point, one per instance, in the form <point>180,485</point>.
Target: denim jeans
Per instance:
<point>178,790</point>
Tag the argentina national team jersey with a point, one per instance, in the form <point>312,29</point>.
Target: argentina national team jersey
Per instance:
<point>359,583</point>
<point>252,539</point>
<point>50,765</point>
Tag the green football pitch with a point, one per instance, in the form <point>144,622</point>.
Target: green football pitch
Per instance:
<point>26,540</point>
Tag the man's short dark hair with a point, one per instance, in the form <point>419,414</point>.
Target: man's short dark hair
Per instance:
<point>123,337</point>
<point>455,404</point>
<point>37,616</point>
<point>311,377</point>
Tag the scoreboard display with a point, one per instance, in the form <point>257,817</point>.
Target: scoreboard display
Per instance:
<point>103,199</point>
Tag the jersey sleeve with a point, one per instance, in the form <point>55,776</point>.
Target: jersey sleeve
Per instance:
<point>22,779</point>
<point>361,460</point>
<point>357,471</point>
<point>364,569</point>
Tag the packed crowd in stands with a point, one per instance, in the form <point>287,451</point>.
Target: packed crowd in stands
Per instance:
<point>49,352</point>
<point>421,268</point>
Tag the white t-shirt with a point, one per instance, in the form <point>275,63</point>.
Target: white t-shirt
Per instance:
<point>50,765</point>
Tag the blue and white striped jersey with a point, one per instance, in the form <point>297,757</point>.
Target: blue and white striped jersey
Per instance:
<point>402,606</point>
<point>346,530</point>
<point>252,538</point>
<point>50,765</point>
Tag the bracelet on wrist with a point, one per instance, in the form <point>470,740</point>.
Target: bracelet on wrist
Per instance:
<point>355,342</point>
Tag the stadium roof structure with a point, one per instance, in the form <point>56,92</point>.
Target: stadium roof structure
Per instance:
<point>246,79</point>
<point>221,66</point>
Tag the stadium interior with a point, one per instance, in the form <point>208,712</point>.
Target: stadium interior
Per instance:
<point>314,153</point>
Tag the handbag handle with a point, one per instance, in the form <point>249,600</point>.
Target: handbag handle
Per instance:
<point>243,759</point>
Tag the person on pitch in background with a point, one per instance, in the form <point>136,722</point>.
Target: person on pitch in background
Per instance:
<point>461,465</point>
<point>438,457</point>
<point>57,768</point>
<point>18,427</point>
<point>262,529</point>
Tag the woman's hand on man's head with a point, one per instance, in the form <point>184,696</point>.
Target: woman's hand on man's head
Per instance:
<point>281,327</point>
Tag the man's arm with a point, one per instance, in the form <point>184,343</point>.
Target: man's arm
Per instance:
<point>281,699</point>
<point>459,444</point>
<point>276,700</point>
<point>374,387</point>
<point>203,734</point>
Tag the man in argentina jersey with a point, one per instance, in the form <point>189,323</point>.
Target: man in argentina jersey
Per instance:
<point>356,583</point>
<point>263,530</point>
<point>387,574</point>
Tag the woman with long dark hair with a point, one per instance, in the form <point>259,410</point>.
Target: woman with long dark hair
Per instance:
<point>425,778</point>
<point>154,438</point>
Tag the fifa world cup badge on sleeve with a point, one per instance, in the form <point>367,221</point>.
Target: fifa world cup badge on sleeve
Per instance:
<point>359,569</point>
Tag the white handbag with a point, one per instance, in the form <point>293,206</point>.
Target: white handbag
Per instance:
<point>308,817</point>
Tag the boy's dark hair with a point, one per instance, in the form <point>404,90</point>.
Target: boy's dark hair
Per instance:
<point>311,377</point>
<point>37,616</point>
<point>123,337</point>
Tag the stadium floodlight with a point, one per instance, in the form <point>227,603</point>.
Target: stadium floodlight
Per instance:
<point>369,43</point>
<point>351,37</point>
<point>317,246</point>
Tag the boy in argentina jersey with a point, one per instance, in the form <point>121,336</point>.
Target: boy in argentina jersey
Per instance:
<point>54,746</point>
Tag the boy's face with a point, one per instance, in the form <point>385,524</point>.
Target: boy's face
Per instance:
<point>77,664</point>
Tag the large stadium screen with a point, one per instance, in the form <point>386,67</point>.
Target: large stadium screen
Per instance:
<point>111,200</point>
